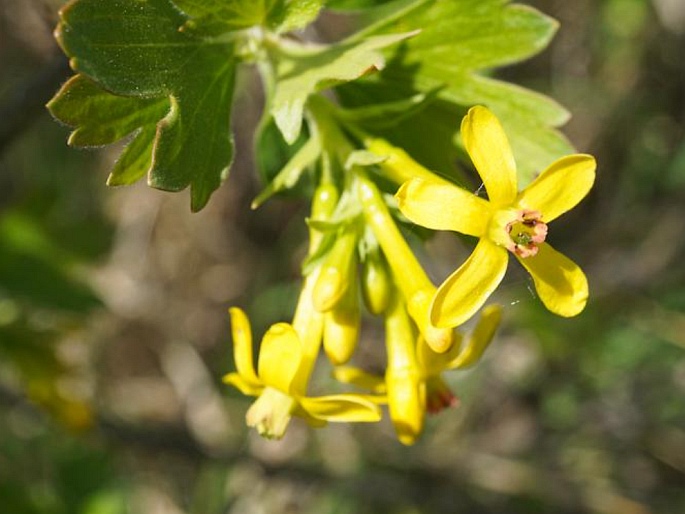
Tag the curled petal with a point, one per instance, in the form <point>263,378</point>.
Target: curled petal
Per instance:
<point>341,407</point>
<point>280,357</point>
<point>467,289</point>
<point>488,147</point>
<point>360,378</point>
<point>441,206</point>
<point>309,419</point>
<point>433,363</point>
<point>480,339</point>
<point>242,346</point>
<point>560,187</point>
<point>559,282</point>
<point>244,386</point>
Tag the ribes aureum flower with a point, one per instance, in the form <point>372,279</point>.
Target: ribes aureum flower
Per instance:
<point>280,391</point>
<point>508,222</point>
<point>413,383</point>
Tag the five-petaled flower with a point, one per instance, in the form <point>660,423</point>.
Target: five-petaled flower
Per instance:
<point>509,221</point>
<point>276,383</point>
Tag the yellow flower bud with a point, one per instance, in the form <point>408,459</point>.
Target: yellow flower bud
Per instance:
<point>323,205</point>
<point>377,286</point>
<point>336,271</point>
<point>341,327</point>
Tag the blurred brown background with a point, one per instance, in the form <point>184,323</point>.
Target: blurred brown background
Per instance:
<point>114,334</point>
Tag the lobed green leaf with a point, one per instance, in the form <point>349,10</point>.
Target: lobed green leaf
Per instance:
<point>305,69</point>
<point>457,42</point>
<point>137,50</point>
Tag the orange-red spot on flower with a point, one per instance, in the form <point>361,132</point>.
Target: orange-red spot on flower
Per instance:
<point>526,232</point>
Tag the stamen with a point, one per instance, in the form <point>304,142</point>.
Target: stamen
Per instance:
<point>526,232</point>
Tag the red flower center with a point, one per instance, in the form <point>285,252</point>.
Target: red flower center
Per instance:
<point>526,232</point>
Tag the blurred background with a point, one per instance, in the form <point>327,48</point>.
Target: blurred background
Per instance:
<point>114,334</point>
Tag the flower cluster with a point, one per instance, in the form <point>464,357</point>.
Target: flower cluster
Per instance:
<point>358,253</point>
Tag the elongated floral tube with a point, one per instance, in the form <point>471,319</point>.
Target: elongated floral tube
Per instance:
<point>324,201</point>
<point>405,387</point>
<point>308,322</point>
<point>410,277</point>
<point>337,272</point>
<point>342,325</point>
<point>398,165</point>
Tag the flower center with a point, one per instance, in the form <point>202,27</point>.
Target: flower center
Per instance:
<point>271,413</point>
<point>526,232</point>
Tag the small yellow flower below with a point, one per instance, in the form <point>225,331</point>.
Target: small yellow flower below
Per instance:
<point>275,383</point>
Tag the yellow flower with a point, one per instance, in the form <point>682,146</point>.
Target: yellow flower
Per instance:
<point>509,221</point>
<point>278,386</point>
<point>413,382</point>
<point>432,364</point>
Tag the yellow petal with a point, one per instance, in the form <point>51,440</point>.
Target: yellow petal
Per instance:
<point>560,283</point>
<point>341,407</point>
<point>310,420</point>
<point>279,357</point>
<point>242,345</point>
<point>480,339</point>
<point>440,206</point>
<point>406,403</point>
<point>560,187</point>
<point>467,289</point>
<point>488,147</point>
<point>244,386</point>
<point>434,363</point>
<point>360,378</point>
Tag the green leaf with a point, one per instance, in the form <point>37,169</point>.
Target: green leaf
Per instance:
<point>295,14</point>
<point>302,70</point>
<point>136,48</point>
<point>36,271</point>
<point>388,114</point>
<point>101,118</point>
<point>291,172</point>
<point>271,150</point>
<point>458,41</point>
<point>220,16</point>
<point>363,158</point>
<point>353,4</point>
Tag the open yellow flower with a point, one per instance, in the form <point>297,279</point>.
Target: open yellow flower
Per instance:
<point>510,221</point>
<point>278,386</point>
<point>413,382</point>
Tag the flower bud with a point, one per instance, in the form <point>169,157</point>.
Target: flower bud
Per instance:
<point>341,327</point>
<point>324,202</point>
<point>376,282</point>
<point>335,276</point>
